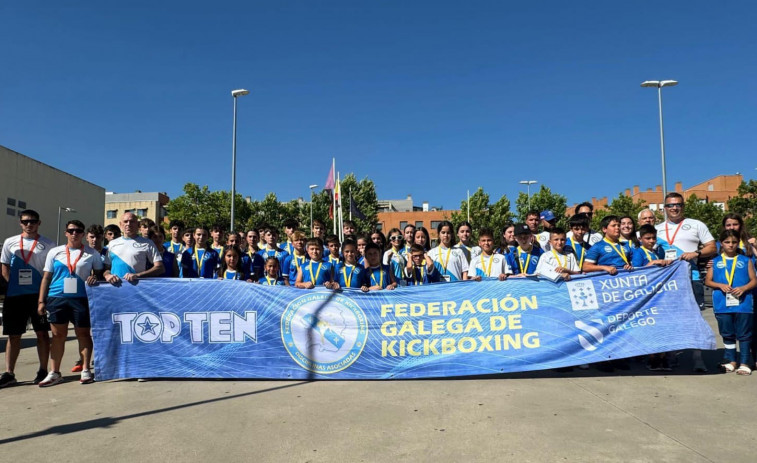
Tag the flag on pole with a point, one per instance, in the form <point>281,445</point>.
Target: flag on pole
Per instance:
<point>354,211</point>
<point>330,179</point>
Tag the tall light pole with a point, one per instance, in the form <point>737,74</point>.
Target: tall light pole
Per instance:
<point>57,233</point>
<point>234,94</point>
<point>528,184</point>
<point>659,84</point>
<point>312,187</point>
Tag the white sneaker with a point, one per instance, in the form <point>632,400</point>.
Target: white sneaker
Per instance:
<point>87,377</point>
<point>585,366</point>
<point>52,379</point>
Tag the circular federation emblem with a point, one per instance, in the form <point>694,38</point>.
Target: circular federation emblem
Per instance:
<point>324,332</point>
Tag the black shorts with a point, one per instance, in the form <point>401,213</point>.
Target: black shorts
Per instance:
<point>17,310</point>
<point>65,310</point>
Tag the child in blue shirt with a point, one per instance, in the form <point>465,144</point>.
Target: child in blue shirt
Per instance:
<point>199,261</point>
<point>610,254</point>
<point>272,275</point>
<point>646,254</point>
<point>732,275</point>
<point>524,259</point>
<point>377,276</point>
<point>231,265</point>
<point>349,274</point>
<point>420,269</point>
<point>315,271</point>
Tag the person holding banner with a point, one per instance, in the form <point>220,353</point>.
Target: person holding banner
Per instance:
<point>488,264</point>
<point>525,257</point>
<point>609,255</point>
<point>732,275</point>
<point>23,261</point>
<point>315,271</point>
<point>556,263</point>
<point>199,261</point>
<point>448,260</point>
<point>130,255</point>
<point>349,274</point>
<point>377,276</point>
<point>62,296</point>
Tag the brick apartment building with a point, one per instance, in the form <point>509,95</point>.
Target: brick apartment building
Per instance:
<point>399,213</point>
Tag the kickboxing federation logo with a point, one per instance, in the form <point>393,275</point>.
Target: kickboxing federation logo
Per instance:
<point>324,332</point>
<point>591,336</point>
<point>582,295</point>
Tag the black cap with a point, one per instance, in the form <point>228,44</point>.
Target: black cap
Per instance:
<point>521,229</point>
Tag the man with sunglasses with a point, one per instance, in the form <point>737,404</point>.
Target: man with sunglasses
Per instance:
<point>686,239</point>
<point>63,297</point>
<point>23,260</point>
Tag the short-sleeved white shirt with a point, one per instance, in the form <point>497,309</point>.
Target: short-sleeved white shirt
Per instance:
<point>548,263</point>
<point>131,255</point>
<point>479,266</point>
<point>57,264</point>
<point>11,255</point>
<point>456,263</point>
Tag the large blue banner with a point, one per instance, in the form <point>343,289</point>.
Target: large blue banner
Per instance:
<point>231,329</point>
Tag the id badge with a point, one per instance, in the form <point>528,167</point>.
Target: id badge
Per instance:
<point>671,254</point>
<point>731,300</point>
<point>69,285</point>
<point>25,277</point>
<point>446,278</point>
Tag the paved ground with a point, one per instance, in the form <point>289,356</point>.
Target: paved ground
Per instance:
<point>543,416</point>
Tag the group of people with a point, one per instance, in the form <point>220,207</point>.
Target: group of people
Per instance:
<point>47,283</point>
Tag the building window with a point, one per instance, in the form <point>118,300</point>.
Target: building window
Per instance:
<point>403,224</point>
<point>12,202</point>
<point>111,214</point>
<point>141,212</point>
<point>10,211</point>
<point>435,224</point>
<point>22,204</point>
<point>418,224</point>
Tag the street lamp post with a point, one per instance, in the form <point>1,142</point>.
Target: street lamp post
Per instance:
<point>659,84</point>
<point>60,210</point>
<point>312,187</point>
<point>528,184</point>
<point>234,94</point>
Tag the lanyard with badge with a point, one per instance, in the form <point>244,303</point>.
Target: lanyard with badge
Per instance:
<point>380,283</point>
<point>583,253</point>
<point>650,257</point>
<point>671,254</point>
<point>557,258</point>
<point>348,279</point>
<point>25,274</point>
<point>730,299</point>
<point>270,281</point>
<point>69,283</point>
<point>443,264</point>
<point>417,282</point>
<point>314,276</point>
<point>198,260</point>
<point>487,271</point>
<point>523,269</point>
<point>620,252</point>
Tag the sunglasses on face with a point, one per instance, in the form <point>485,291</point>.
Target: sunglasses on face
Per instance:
<point>30,221</point>
<point>74,230</point>
<point>671,206</point>
<point>395,238</point>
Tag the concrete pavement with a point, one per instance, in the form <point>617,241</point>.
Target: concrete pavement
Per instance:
<point>541,416</point>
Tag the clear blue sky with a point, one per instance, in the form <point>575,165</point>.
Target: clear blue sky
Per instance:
<point>425,98</point>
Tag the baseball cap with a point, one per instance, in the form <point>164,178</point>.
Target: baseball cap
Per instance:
<point>521,229</point>
<point>547,215</point>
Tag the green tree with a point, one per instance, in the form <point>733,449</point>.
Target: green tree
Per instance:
<point>709,213</point>
<point>199,206</point>
<point>364,195</point>
<point>745,204</point>
<point>483,214</point>
<point>621,205</point>
<point>543,200</point>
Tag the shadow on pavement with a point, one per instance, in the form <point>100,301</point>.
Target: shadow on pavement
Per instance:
<point>112,420</point>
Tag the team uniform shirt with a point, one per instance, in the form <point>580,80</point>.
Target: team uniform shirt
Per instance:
<point>489,266</point>
<point>349,276</point>
<point>27,265</point>
<point>253,263</point>
<point>449,262</point>
<point>279,254</point>
<point>288,247</point>
<point>577,249</point>
<point>725,269</point>
<point>271,281</point>
<point>521,261</point>
<point>607,253</point>
<point>169,261</point>
<point>551,259</point>
<point>419,275</point>
<point>405,250</point>
<point>505,251</point>
<point>199,263</point>
<point>397,263</point>
<point>238,274</point>
<point>333,260</point>
<point>630,243</point>
<point>469,251</point>
<point>131,255</point>
<point>174,248</point>
<point>317,273</point>
<point>685,236</point>
<point>543,240</point>
<point>59,263</point>
<point>378,276</point>
<point>218,249</point>
<point>295,262</point>
<point>643,256</point>
<point>590,237</point>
